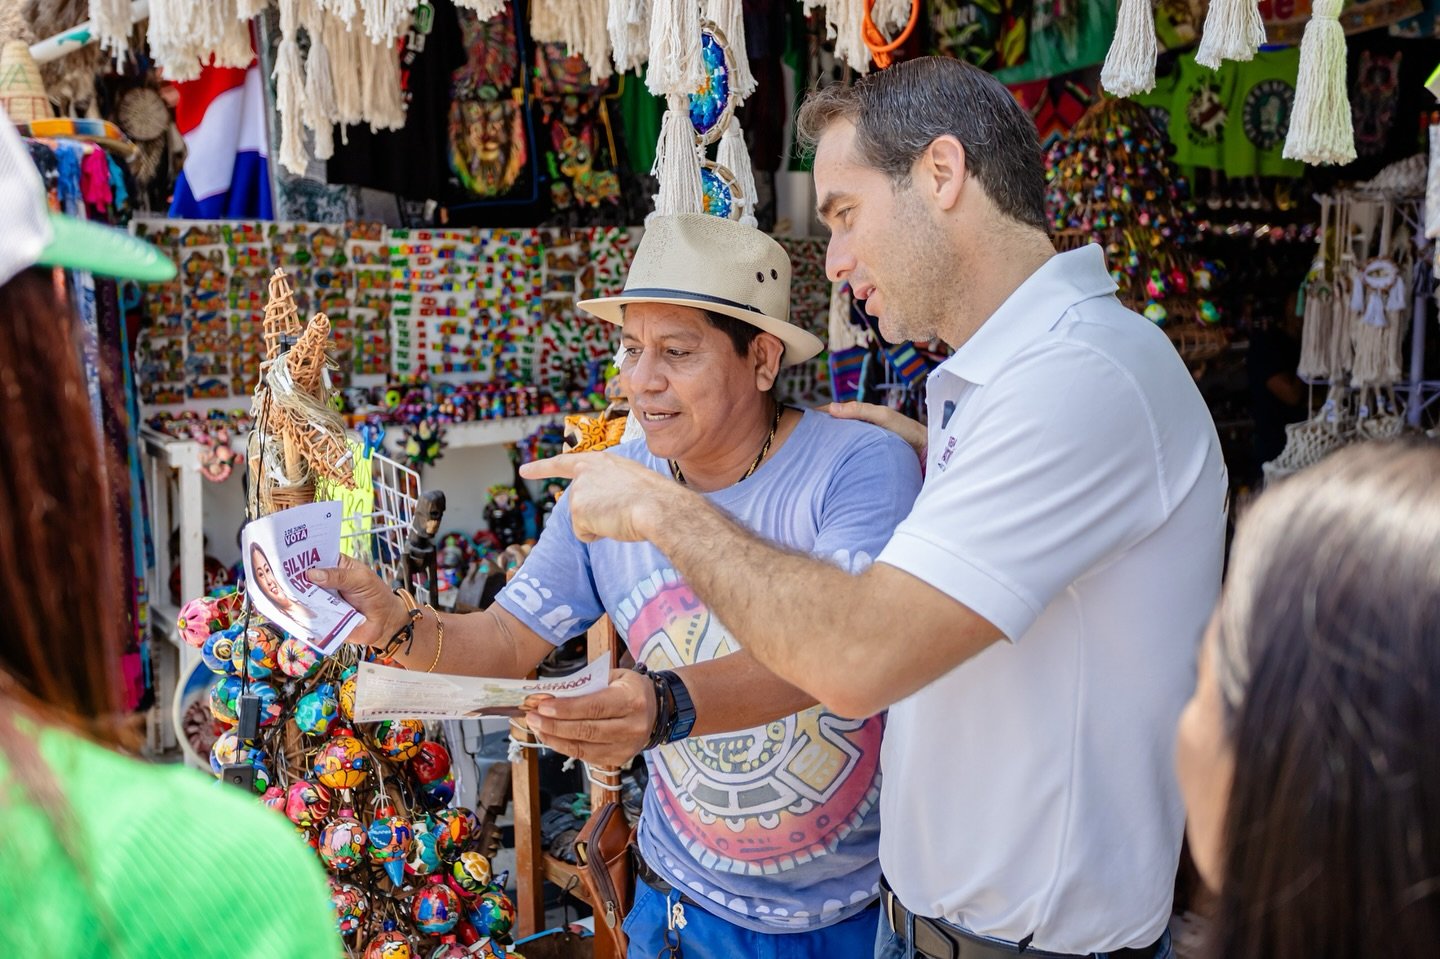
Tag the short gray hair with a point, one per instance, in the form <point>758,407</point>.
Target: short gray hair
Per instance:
<point>898,112</point>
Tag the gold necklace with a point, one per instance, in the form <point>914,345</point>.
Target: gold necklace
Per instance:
<point>774,425</point>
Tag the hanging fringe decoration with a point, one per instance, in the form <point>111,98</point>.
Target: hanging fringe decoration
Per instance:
<point>253,8</point>
<point>845,24</point>
<point>1432,186</point>
<point>380,84</point>
<point>734,156</point>
<point>729,16</point>
<point>112,21</point>
<point>675,62</point>
<point>890,15</point>
<point>343,47</point>
<point>385,20</point>
<point>1319,310</point>
<point>1233,31</point>
<point>1321,130</point>
<point>677,164</point>
<point>320,110</point>
<point>1130,64</point>
<point>592,41</point>
<point>628,22</point>
<point>289,77</point>
<point>484,9</point>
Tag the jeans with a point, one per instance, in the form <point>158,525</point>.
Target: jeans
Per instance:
<point>890,944</point>
<point>707,936</point>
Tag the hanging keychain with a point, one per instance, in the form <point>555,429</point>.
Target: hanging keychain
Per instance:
<point>674,923</point>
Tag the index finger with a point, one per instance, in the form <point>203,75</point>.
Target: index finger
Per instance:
<point>553,467</point>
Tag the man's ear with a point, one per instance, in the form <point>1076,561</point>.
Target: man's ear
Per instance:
<point>943,169</point>
<point>765,353</point>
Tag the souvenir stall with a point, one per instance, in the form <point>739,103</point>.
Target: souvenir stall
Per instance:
<point>383,214</point>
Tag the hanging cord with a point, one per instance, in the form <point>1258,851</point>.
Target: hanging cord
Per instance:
<point>516,751</point>
<point>882,50</point>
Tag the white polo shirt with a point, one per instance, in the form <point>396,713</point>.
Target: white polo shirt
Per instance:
<point>1074,497</point>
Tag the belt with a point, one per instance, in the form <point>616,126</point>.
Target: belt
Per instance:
<point>653,879</point>
<point>938,939</point>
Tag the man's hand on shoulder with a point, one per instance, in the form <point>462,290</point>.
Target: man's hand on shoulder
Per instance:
<point>911,431</point>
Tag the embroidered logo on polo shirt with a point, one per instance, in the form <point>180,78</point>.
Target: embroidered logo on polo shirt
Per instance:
<point>941,463</point>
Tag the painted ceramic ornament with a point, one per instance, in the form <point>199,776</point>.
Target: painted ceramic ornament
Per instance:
<point>466,933</point>
<point>389,943</point>
<point>297,658</point>
<point>390,839</point>
<point>340,727</point>
<point>308,837</point>
<point>219,650</point>
<point>471,873</point>
<point>225,700</point>
<point>487,949</point>
<point>307,803</point>
<point>1209,313</point>
<point>347,699</point>
<point>261,645</point>
<point>228,751</point>
<point>1156,313</point>
<point>398,739</point>
<point>719,189</point>
<point>423,859</point>
<point>450,949</point>
<point>201,617</point>
<point>712,104</point>
<point>274,798</point>
<point>452,831</point>
<point>440,793</point>
<point>316,710</point>
<point>493,914</point>
<point>342,842</point>
<point>435,908</point>
<point>350,905</point>
<point>430,762</point>
<point>271,707</point>
<point>342,763</point>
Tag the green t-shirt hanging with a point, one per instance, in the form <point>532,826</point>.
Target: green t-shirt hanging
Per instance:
<point>1160,100</point>
<point>1200,113</point>
<point>1259,115</point>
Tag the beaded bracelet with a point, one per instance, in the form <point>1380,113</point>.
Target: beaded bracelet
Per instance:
<point>405,634</point>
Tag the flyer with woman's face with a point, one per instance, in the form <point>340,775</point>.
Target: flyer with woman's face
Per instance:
<point>277,550</point>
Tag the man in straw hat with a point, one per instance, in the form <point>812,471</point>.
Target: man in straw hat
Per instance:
<point>1043,602</point>
<point>760,817</point>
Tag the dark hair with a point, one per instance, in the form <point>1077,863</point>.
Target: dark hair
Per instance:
<point>1328,662</point>
<point>741,334</point>
<point>898,112</point>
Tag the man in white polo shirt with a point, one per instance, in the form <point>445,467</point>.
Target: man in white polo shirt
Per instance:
<point>1032,625</point>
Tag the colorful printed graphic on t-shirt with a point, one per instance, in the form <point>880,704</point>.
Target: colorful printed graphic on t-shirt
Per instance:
<point>762,799</point>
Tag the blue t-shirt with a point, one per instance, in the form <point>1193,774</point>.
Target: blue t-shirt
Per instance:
<point>774,828</point>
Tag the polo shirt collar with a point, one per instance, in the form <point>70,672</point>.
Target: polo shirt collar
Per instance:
<point>1032,310</point>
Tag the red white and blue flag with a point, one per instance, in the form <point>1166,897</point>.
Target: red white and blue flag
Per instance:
<point>227,169</point>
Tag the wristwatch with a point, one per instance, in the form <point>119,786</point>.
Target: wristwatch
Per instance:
<point>682,707</point>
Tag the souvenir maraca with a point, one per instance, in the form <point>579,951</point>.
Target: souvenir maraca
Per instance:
<point>342,763</point>
<point>492,913</point>
<point>486,949</point>
<point>342,842</point>
<point>450,949</point>
<point>389,943</point>
<point>452,831</point>
<point>316,710</point>
<point>435,908</point>
<point>390,838</point>
<point>398,739</point>
<point>257,651</point>
<point>466,933</point>
<point>471,873</point>
<point>306,802</point>
<point>271,708</point>
<point>218,651</point>
<point>341,727</point>
<point>438,794</point>
<point>347,698</point>
<point>228,750</point>
<point>423,860</point>
<point>431,762</point>
<point>351,907</point>
<point>199,618</point>
<point>308,837</point>
<point>225,700</point>
<point>297,658</point>
<point>274,798</point>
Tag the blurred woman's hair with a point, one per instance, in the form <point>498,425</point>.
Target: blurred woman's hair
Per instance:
<point>1328,663</point>
<point>66,620</point>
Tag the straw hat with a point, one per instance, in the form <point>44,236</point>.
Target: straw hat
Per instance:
<point>22,92</point>
<point>703,261</point>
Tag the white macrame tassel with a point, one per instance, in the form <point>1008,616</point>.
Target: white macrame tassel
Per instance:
<point>289,76</point>
<point>545,21</point>
<point>1233,31</point>
<point>675,62</point>
<point>628,22</point>
<point>1130,64</point>
<point>729,16</point>
<point>174,38</point>
<point>1321,130</point>
<point>734,156</point>
<point>380,81</point>
<point>112,22</point>
<point>484,9</point>
<point>845,24</point>
<point>1432,186</point>
<point>890,16</point>
<point>593,39</point>
<point>231,44</point>
<point>252,8</point>
<point>320,110</point>
<point>677,164</point>
<point>343,46</point>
